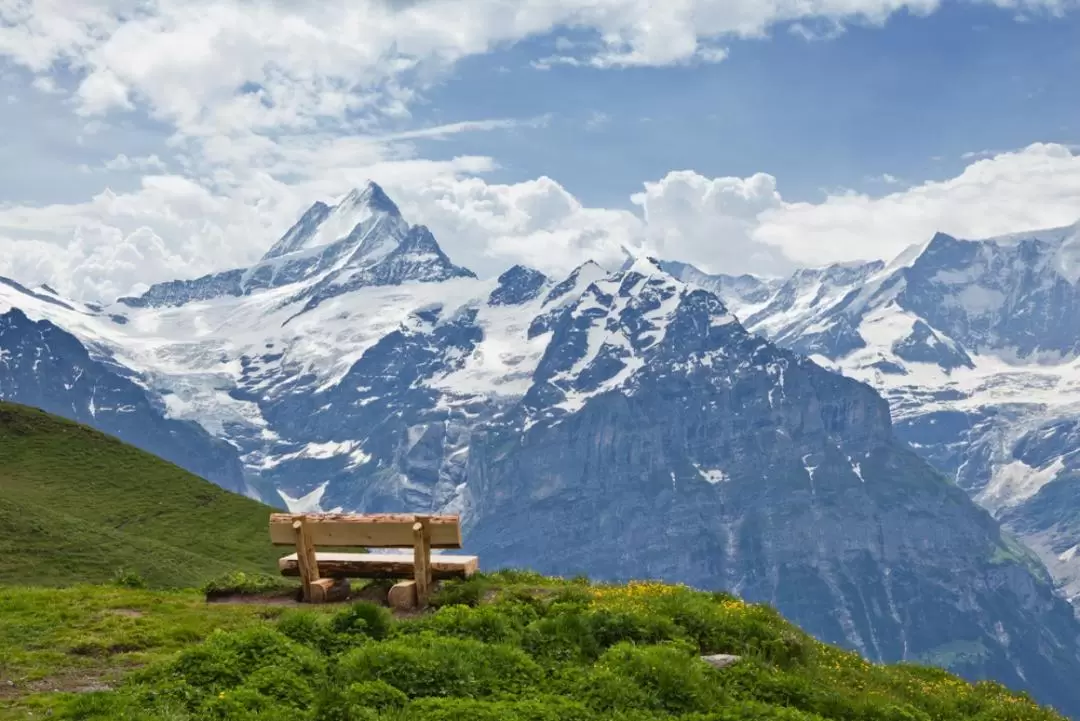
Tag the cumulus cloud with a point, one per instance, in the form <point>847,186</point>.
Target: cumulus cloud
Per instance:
<point>536,223</point>
<point>1037,187</point>
<point>712,221</point>
<point>172,227</point>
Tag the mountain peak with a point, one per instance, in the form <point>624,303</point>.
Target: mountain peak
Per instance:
<point>370,195</point>
<point>322,224</point>
<point>647,266</point>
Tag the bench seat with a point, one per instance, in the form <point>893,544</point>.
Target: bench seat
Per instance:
<point>381,565</point>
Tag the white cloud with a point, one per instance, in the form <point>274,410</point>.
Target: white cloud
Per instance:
<point>537,223</point>
<point>172,227</point>
<point>712,221</point>
<point>1034,188</point>
<point>144,162</point>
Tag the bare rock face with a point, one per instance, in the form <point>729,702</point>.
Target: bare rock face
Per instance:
<point>721,660</point>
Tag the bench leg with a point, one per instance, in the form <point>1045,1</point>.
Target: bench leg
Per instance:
<point>422,561</point>
<point>305,559</point>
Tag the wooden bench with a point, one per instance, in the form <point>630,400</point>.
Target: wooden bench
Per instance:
<point>318,570</point>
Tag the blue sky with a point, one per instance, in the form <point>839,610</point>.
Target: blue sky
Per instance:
<point>185,140</point>
<point>908,100</point>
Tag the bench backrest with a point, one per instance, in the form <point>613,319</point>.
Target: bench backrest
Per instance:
<point>377,530</point>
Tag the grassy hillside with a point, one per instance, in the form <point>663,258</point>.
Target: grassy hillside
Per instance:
<point>502,647</point>
<point>77,506</point>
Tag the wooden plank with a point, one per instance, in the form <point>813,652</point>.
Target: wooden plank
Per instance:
<point>307,563</point>
<point>402,596</point>
<point>384,530</point>
<point>381,565</point>
<point>329,590</point>
<point>421,562</point>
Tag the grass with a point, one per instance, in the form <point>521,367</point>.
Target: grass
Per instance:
<point>77,505</point>
<point>507,646</point>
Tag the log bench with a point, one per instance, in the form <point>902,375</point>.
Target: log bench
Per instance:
<point>318,571</point>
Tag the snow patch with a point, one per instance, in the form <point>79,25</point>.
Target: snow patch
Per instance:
<point>712,475</point>
<point>1015,482</point>
<point>319,451</point>
<point>308,503</point>
<point>856,468</point>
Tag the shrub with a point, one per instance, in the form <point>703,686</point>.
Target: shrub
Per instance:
<point>563,638</point>
<point>363,619</point>
<point>466,592</point>
<point>714,623</point>
<point>226,659</point>
<point>241,583</point>
<point>311,629</point>
<point>572,632</point>
<point>519,577</point>
<point>283,685</point>
<point>128,579</point>
<point>243,705</point>
<point>378,695</point>
<point>426,665</point>
<point>751,680</point>
<point>491,624</point>
<point>672,679</point>
<point>550,708</point>
<point>612,627</point>
<point>752,711</point>
<point>606,690</point>
<point>571,596</point>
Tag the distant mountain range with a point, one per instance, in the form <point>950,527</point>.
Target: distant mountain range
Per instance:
<point>651,420</point>
<point>976,346</point>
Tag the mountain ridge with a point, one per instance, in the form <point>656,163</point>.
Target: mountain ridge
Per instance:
<point>971,342</point>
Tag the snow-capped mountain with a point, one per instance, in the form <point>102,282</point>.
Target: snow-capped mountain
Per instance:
<point>976,345</point>
<point>615,423</point>
<point>361,241</point>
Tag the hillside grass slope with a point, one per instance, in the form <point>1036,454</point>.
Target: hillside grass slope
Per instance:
<point>508,646</point>
<point>77,505</point>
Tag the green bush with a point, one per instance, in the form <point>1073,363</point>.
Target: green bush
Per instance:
<point>128,579</point>
<point>283,685</point>
<point>241,583</point>
<point>562,638</point>
<point>378,695</point>
<point>244,705</point>
<point>672,679</point>
<point>752,711</point>
<point>490,624</point>
<point>467,592</point>
<point>613,627</point>
<point>518,577</point>
<point>551,708</point>
<point>363,619</point>
<point>226,660</point>
<point>426,665</point>
<point>311,629</point>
